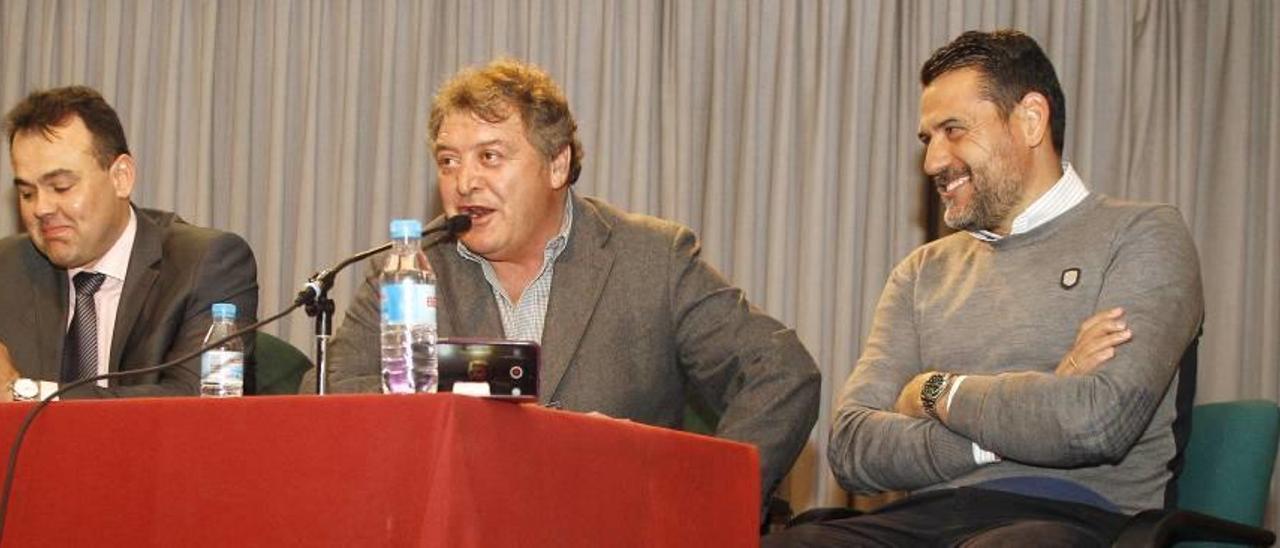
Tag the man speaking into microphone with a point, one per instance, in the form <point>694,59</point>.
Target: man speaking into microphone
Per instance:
<point>626,311</point>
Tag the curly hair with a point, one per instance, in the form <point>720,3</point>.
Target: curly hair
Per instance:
<point>493,92</point>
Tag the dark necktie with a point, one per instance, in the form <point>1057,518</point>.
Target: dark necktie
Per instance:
<point>80,349</point>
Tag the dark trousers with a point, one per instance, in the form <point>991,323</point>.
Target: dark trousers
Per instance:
<point>966,516</point>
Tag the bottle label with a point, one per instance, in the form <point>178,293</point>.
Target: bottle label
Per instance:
<point>222,367</point>
<point>408,304</point>
<point>429,304</point>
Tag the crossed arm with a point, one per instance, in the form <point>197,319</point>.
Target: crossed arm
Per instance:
<point>1095,343</point>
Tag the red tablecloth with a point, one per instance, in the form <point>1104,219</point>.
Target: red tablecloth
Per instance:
<point>428,470</point>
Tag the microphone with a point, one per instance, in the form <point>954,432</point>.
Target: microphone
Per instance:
<point>321,281</point>
<point>455,225</point>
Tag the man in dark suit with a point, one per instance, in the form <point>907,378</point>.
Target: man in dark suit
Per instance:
<point>633,316</point>
<point>97,285</point>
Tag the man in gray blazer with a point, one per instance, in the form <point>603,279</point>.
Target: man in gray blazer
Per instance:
<point>632,314</point>
<point>95,284</point>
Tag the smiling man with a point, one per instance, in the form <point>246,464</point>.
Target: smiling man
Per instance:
<point>628,314</point>
<point>96,284</point>
<point>1023,378</point>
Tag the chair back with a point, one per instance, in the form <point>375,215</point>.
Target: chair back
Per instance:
<point>279,365</point>
<point>699,417</point>
<point>1229,460</point>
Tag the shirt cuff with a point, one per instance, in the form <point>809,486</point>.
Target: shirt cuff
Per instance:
<point>951,392</point>
<point>982,456</point>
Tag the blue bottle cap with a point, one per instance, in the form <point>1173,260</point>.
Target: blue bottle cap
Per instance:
<point>224,311</point>
<point>406,228</point>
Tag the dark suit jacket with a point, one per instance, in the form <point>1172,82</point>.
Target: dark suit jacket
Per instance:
<point>634,315</point>
<point>176,272</point>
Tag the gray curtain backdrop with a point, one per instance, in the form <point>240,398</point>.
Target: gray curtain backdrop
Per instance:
<point>781,131</point>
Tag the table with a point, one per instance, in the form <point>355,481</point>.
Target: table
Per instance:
<point>369,470</point>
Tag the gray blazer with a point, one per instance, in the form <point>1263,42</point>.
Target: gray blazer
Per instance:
<point>634,316</point>
<point>176,272</point>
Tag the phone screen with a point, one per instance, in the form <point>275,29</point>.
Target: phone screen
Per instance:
<point>509,368</point>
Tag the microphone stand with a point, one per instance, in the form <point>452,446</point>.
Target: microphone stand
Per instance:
<point>314,296</point>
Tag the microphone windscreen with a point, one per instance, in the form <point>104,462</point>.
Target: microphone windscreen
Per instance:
<point>458,224</point>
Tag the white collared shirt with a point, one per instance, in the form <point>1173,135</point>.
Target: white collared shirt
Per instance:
<point>114,264</point>
<point>1062,196</point>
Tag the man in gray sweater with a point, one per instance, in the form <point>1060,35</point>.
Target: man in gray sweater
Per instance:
<point>1022,376</point>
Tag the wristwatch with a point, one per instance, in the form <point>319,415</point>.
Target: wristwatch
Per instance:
<point>934,387</point>
<point>25,389</point>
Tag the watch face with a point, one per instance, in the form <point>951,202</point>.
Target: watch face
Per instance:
<point>933,386</point>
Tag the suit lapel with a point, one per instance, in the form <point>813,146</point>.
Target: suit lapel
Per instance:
<point>144,268</point>
<point>49,297</point>
<point>576,286</point>
<point>464,295</point>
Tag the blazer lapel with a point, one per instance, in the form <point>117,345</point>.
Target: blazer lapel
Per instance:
<point>576,286</point>
<point>49,297</point>
<point>464,294</point>
<point>144,268</point>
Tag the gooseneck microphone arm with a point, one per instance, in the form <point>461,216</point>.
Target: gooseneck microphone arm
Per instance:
<point>315,294</point>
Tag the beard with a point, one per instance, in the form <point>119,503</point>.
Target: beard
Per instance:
<point>992,197</point>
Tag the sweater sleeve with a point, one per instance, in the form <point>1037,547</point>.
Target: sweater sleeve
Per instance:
<point>1044,420</point>
<point>873,448</point>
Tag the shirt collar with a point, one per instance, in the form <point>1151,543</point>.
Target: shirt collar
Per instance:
<point>115,262</point>
<point>1061,197</point>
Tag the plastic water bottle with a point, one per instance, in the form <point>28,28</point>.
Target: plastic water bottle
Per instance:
<point>222,368</point>
<point>407,291</point>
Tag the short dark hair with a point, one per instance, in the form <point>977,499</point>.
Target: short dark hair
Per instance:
<point>1012,65</point>
<point>44,110</point>
<point>493,92</point>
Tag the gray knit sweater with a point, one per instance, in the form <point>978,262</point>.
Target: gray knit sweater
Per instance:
<point>1005,314</point>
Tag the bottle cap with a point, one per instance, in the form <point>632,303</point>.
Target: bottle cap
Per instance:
<point>224,311</point>
<point>406,228</point>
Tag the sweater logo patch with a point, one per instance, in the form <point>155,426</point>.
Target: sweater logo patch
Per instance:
<point>1070,277</point>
